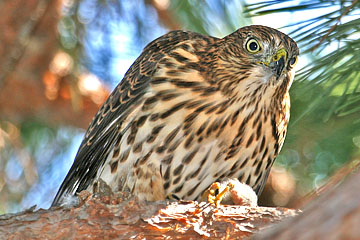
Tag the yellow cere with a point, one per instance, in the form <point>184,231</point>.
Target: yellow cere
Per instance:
<point>281,53</point>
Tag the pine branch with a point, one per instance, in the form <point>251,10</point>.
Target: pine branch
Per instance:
<point>121,216</point>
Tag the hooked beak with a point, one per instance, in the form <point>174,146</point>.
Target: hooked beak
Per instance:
<point>278,61</point>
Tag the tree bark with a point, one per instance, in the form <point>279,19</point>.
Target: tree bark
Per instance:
<point>333,215</point>
<point>120,216</point>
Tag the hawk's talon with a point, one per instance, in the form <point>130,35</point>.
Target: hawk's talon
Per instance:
<point>214,196</point>
<point>231,192</point>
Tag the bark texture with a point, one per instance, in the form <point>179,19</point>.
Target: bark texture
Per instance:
<point>120,216</point>
<point>333,215</point>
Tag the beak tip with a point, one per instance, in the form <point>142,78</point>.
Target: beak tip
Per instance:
<point>279,66</point>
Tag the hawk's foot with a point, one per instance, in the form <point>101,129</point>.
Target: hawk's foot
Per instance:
<point>231,192</point>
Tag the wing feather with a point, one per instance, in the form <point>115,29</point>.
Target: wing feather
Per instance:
<point>106,126</point>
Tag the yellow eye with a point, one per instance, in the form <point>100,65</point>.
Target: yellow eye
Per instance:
<point>293,61</point>
<point>253,46</point>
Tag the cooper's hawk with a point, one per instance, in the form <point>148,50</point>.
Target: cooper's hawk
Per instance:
<point>191,110</point>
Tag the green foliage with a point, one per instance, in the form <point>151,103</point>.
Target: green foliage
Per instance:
<point>216,18</point>
<point>331,40</point>
<point>325,95</point>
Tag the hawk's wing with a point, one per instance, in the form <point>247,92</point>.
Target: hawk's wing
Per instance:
<point>107,123</point>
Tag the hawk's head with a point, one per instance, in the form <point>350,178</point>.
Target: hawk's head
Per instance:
<point>261,56</point>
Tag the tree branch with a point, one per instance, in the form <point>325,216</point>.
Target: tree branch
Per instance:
<point>333,215</point>
<point>124,217</point>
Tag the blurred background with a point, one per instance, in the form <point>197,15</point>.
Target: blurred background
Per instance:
<point>60,59</point>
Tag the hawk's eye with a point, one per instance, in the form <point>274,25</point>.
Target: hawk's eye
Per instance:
<point>293,61</point>
<point>253,46</point>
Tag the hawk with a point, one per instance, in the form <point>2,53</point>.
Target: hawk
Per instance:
<point>191,110</point>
